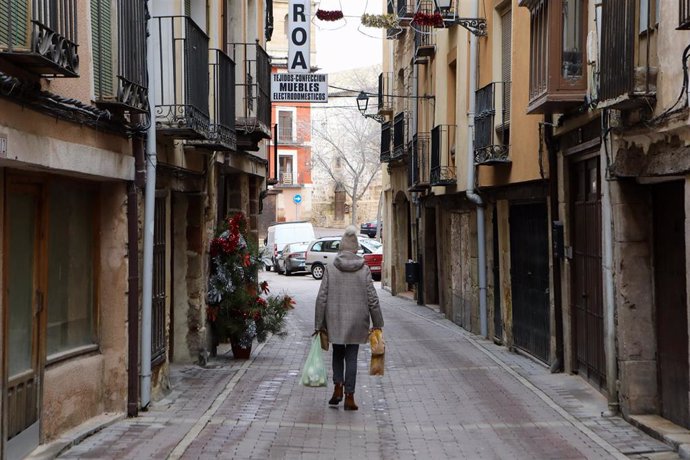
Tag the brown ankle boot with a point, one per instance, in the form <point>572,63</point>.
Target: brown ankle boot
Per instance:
<point>350,402</point>
<point>337,395</point>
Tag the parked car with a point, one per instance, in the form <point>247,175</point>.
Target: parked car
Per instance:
<point>323,251</point>
<point>292,259</point>
<point>285,233</point>
<point>373,258</point>
<point>370,228</point>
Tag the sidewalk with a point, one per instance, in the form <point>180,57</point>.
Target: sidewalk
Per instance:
<point>446,394</point>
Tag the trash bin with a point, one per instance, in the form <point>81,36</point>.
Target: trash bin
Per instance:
<point>412,272</point>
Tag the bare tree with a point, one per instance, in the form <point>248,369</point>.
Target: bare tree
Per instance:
<point>347,147</point>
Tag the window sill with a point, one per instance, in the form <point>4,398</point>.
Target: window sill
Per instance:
<point>69,354</point>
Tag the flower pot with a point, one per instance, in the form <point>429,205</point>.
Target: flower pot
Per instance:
<point>239,352</point>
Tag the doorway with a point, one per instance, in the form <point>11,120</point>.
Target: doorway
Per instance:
<point>23,298</point>
<point>587,300</point>
<point>670,300</point>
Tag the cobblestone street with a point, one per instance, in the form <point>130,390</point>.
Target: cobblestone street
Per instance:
<point>446,395</point>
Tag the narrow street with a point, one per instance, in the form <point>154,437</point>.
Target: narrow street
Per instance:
<point>446,395</point>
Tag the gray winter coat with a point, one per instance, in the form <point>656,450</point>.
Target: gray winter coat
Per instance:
<point>346,300</point>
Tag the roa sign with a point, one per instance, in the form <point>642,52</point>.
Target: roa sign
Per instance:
<point>299,16</point>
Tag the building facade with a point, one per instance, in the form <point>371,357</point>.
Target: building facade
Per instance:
<point>547,139</point>
<point>75,109</point>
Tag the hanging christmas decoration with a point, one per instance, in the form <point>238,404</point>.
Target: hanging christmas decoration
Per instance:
<point>428,19</point>
<point>390,22</point>
<point>331,16</point>
<point>380,21</point>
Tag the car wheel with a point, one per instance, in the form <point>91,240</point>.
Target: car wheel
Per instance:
<point>317,271</point>
<point>287,272</point>
<point>267,268</point>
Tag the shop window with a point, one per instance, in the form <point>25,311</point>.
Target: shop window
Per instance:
<point>71,290</point>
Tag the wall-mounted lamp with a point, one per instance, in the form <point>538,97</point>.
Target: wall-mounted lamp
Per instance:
<point>363,104</point>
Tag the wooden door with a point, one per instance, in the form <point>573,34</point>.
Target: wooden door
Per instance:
<point>587,300</point>
<point>23,299</point>
<point>670,301</point>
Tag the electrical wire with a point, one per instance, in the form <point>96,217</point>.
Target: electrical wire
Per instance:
<point>683,92</point>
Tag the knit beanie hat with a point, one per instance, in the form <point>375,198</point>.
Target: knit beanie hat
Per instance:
<point>349,241</point>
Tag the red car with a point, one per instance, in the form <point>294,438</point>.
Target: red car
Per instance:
<point>373,257</point>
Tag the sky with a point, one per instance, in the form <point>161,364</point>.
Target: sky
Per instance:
<point>347,47</point>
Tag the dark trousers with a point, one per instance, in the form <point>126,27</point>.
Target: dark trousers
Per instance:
<point>345,358</point>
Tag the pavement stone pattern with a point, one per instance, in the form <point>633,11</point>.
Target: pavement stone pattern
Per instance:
<point>445,395</point>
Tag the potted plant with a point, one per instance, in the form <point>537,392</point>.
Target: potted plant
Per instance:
<point>239,308</point>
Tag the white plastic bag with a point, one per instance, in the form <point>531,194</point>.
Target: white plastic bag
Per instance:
<point>314,372</point>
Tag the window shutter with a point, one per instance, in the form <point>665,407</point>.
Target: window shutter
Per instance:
<point>187,7</point>
<point>15,12</point>
<point>101,34</point>
<point>506,47</point>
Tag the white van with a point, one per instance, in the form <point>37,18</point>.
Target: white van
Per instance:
<point>285,233</point>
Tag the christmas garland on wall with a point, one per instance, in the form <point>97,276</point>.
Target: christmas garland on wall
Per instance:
<point>380,21</point>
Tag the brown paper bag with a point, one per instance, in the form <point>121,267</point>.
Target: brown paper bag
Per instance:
<point>376,365</point>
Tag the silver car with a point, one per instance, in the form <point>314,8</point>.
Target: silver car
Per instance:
<point>292,258</point>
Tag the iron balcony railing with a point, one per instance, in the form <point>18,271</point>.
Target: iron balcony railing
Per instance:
<point>418,167</point>
<point>129,88</point>
<point>385,95</point>
<point>181,77</point>
<point>286,178</point>
<point>385,141</point>
<point>399,135</point>
<point>222,134</point>
<point>253,87</point>
<point>40,36</point>
<point>423,42</point>
<point>442,170</point>
<point>683,14</point>
<point>622,77</point>
<point>491,134</point>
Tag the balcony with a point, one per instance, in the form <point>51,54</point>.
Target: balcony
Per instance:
<point>684,15</point>
<point>385,95</point>
<point>286,178</point>
<point>442,167</point>
<point>627,78</point>
<point>406,10</point>
<point>418,168</point>
<point>491,121</point>
<point>399,136</point>
<point>385,142</point>
<point>181,78</point>
<point>221,135</point>
<point>127,90</point>
<point>558,74</point>
<point>40,36</point>
<point>253,86</point>
<point>424,46</point>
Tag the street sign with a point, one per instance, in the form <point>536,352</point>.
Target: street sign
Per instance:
<point>289,87</point>
<point>299,17</point>
<point>297,198</point>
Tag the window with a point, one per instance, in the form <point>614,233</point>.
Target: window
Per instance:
<point>645,7</point>
<point>71,287</point>
<point>287,172</point>
<point>573,42</point>
<point>332,246</point>
<point>286,129</point>
<point>318,247</point>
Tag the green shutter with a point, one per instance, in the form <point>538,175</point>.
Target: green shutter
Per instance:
<point>101,34</point>
<point>187,7</point>
<point>19,19</point>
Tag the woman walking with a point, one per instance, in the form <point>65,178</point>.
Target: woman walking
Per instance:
<point>346,301</point>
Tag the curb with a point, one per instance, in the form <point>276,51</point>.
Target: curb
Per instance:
<point>75,436</point>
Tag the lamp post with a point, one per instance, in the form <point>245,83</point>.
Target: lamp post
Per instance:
<point>363,104</point>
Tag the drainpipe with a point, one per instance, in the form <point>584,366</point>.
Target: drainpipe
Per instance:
<point>133,295</point>
<point>609,320</point>
<point>149,210</point>
<point>471,192</point>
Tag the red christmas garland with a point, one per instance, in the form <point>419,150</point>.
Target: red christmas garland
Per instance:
<point>326,15</point>
<point>426,19</point>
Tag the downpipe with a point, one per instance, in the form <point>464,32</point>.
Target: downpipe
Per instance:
<point>149,210</point>
<point>471,192</point>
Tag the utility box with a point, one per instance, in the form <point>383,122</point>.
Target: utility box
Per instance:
<point>412,272</point>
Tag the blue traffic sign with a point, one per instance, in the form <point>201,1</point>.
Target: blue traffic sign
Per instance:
<point>297,199</point>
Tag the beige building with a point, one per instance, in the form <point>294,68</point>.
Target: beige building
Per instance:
<point>74,104</point>
<point>537,175</point>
